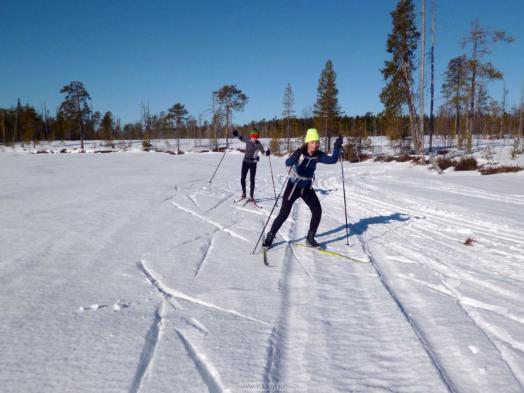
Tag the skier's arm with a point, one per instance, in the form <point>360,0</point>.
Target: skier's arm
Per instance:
<point>333,158</point>
<point>293,158</point>
<point>260,147</point>
<point>240,137</point>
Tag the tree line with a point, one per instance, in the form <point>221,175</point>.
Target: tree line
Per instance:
<point>467,107</point>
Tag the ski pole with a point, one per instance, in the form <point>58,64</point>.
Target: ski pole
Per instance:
<point>218,166</point>
<point>344,189</point>
<point>272,179</point>
<point>275,205</point>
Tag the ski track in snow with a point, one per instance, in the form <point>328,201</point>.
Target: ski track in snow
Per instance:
<point>152,339</point>
<point>288,353</point>
<point>171,293</point>
<point>208,248</point>
<point>423,255</point>
<point>205,368</point>
<point>418,332</point>
<point>483,228</point>
<point>220,202</point>
<point>216,224</point>
<point>157,285</point>
<point>466,304</point>
<point>192,199</point>
<point>277,354</point>
<point>424,344</point>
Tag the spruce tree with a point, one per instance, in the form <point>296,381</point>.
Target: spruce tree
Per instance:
<point>326,107</point>
<point>289,112</point>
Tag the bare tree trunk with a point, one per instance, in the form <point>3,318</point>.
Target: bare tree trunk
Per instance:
<point>215,123</point>
<point>177,130</point>
<point>228,115</point>
<point>432,88</point>
<point>327,133</point>
<point>504,94</point>
<point>520,112</point>
<point>81,118</point>
<point>15,132</point>
<point>412,112</point>
<point>46,131</point>
<point>431,116</point>
<point>471,116</point>
<point>288,134</point>
<point>421,90</point>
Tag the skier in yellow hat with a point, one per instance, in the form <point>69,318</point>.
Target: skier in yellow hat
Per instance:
<point>303,163</point>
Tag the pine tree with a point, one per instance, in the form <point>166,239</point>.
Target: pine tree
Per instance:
<point>146,121</point>
<point>398,72</point>
<point>480,72</point>
<point>75,106</point>
<point>96,119</point>
<point>455,88</point>
<point>107,128</point>
<point>177,113</point>
<point>231,99</point>
<point>28,124</point>
<point>326,106</point>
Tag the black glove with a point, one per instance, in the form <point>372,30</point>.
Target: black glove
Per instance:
<point>268,152</point>
<point>339,141</point>
<point>235,133</point>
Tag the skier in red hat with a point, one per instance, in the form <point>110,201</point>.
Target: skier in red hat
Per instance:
<point>253,147</point>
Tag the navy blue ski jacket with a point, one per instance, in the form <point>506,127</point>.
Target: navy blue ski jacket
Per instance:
<point>305,165</point>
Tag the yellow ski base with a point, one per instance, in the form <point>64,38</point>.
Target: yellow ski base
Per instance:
<point>332,253</point>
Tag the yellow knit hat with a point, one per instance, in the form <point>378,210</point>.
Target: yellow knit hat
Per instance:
<point>312,135</point>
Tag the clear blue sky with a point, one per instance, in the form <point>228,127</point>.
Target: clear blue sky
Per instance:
<point>162,52</point>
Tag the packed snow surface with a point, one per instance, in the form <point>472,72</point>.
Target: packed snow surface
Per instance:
<point>132,273</point>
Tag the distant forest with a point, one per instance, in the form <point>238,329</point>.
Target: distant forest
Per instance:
<point>467,109</point>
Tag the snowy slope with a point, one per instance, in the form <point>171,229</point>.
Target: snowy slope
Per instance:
<point>131,273</point>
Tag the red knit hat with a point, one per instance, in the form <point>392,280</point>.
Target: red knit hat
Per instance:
<point>253,134</point>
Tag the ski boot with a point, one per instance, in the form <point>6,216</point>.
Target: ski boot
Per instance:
<point>310,240</point>
<point>268,241</point>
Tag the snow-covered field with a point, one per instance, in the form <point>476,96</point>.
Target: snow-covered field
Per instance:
<point>131,273</point>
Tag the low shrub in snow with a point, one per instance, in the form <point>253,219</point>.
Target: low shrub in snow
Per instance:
<point>491,170</point>
<point>445,163</point>
<point>466,164</point>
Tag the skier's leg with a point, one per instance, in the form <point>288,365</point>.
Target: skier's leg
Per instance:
<point>252,173</point>
<point>287,204</point>
<point>243,175</point>
<point>311,200</point>
<point>283,214</point>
